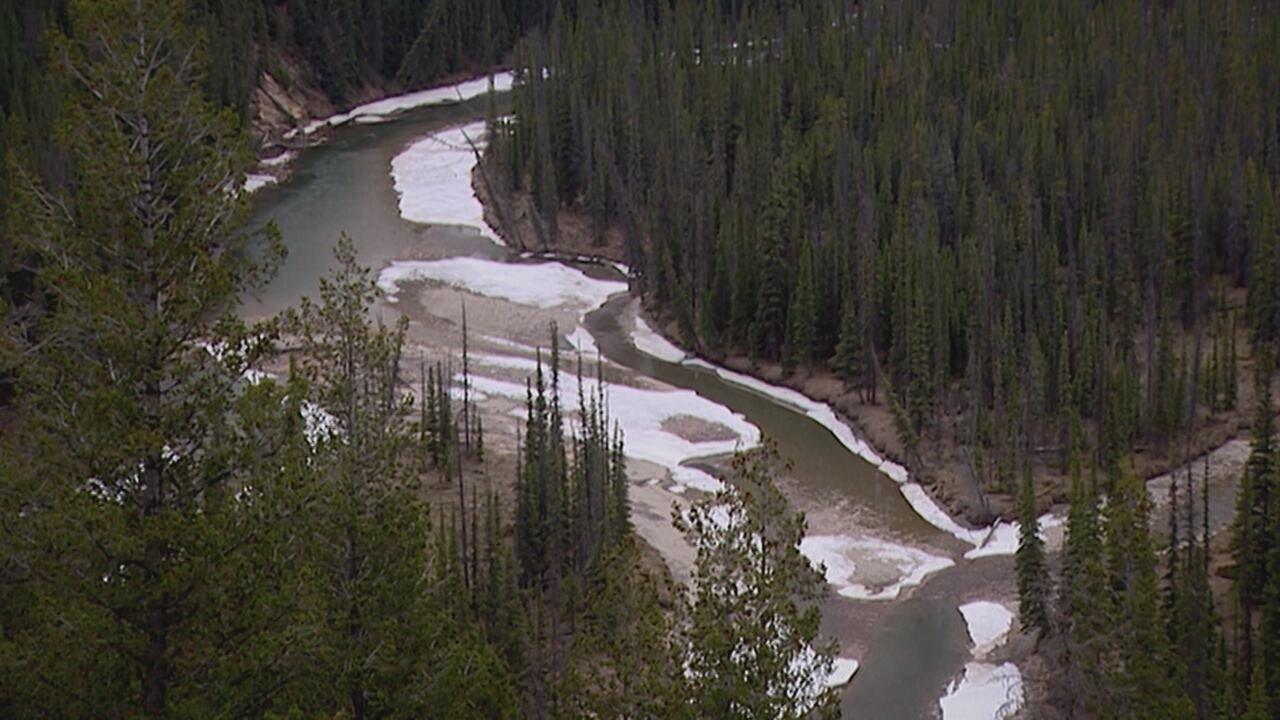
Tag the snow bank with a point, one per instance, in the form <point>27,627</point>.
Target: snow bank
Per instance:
<point>433,179</point>
<point>641,413</point>
<point>383,109</point>
<point>253,182</point>
<point>825,415</point>
<point>985,692</point>
<point>988,624</point>
<point>582,341</point>
<point>651,343</point>
<point>841,556</point>
<point>841,672</point>
<point>1003,539</point>
<point>509,362</point>
<point>504,342</point>
<point>280,160</point>
<point>933,514</point>
<point>542,285</point>
<point>821,413</point>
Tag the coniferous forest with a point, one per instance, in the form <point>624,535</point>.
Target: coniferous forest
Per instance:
<point>1020,226</point>
<point>1045,233</point>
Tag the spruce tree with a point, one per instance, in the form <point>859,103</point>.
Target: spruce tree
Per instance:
<point>1033,575</point>
<point>369,553</point>
<point>146,523</point>
<point>754,647</point>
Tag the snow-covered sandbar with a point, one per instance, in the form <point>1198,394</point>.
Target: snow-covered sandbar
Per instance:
<point>433,179</point>
<point>984,692</point>
<point>388,107</point>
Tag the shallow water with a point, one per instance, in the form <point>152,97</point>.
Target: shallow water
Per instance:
<point>909,649</point>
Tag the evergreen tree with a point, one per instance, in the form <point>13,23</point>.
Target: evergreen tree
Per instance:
<point>377,628</point>
<point>1250,544</point>
<point>754,648</point>
<point>148,484</point>
<point>1033,575</point>
<point>1088,605</point>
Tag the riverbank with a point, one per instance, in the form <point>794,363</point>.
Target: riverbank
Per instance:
<point>513,217</point>
<point>887,608</point>
<point>293,124</point>
<point>941,466</point>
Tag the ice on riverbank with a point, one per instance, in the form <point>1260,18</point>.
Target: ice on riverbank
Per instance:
<point>1003,539</point>
<point>985,692</point>
<point>280,160</point>
<point>841,672</point>
<point>508,362</point>
<point>543,285</point>
<point>642,413</point>
<point>988,624</point>
<point>433,179</point>
<point>253,182</point>
<point>651,343</point>
<point>870,568</point>
<point>820,412</point>
<point>933,514</point>
<point>924,505</point>
<point>387,107</point>
<point>582,341</point>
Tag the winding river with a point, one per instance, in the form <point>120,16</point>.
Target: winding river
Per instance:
<point>909,647</point>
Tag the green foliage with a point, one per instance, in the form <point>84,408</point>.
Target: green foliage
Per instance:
<point>753,634</point>
<point>1012,195</point>
<point>1033,575</point>
<point>145,477</point>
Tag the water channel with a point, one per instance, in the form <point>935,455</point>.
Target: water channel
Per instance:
<point>908,648</point>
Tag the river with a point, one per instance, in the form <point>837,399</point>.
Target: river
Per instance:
<point>909,648</point>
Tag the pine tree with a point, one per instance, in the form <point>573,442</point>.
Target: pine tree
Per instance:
<point>1088,606</point>
<point>370,529</point>
<point>1033,575</point>
<point>137,451</point>
<point>802,317</point>
<point>1147,687</point>
<point>1249,541</point>
<point>849,351</point>
<point>754,648</point>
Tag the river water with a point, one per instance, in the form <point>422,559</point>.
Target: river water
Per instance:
<point>908,648</point>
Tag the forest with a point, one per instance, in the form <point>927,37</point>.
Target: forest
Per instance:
<point>1046,233</point>
<point>186,534</point>
<point>992,217</point>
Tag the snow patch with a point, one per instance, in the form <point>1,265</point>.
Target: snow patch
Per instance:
<point>840,556</point>
<point>583,342</point>
<point>280,160</point>
<point>504,342</point>
<point>387,107</point>
<point>624,270</point>
<point>985,692</point>
<point>841,672</point>
<point>1003,538</point>
<point>641,414</point>
<point>433,179</point>
<point>542,285</point>
<point>988,624</point>
<point>253,182</point>
<point>319,425</point>
<point>651,343</point>
<point>933,514</point>
<point>509,362</point>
